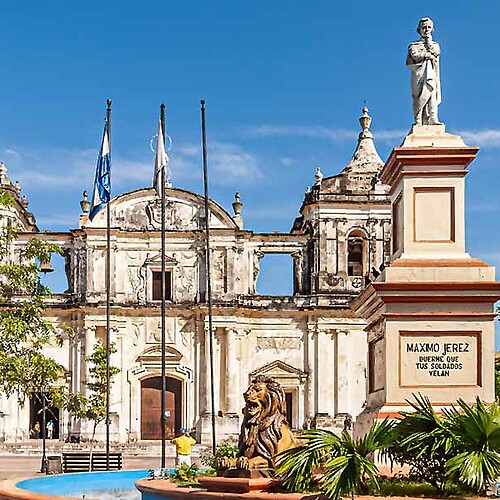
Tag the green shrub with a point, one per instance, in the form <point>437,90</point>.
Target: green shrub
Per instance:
<point>188,475</point>
<point>227,449</point>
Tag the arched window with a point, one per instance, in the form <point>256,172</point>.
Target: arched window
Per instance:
<point>356,250</point>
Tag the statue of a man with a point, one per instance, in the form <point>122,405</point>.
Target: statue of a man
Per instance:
<point>423,61</point>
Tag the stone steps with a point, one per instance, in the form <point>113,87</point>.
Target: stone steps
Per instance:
<point>145,448</point>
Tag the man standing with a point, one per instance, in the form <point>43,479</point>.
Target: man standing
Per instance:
<point>183,444</point>
<point>50,429</point>
<point>423,61</point>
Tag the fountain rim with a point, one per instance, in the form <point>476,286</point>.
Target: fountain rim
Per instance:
<point>10,491</point>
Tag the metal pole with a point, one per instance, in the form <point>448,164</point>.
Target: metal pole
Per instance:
<point>163,293</point>
<point>108,283</point>
<point>43,467</point>
<point>208,271</point>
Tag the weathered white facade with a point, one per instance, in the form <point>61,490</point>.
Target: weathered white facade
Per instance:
<point>310,341</point>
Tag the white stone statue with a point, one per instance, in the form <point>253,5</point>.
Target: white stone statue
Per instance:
<point>423,61</point>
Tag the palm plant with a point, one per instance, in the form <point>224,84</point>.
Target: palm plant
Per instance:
<point>476,429</point>
<point>346,462</point>
<point>461,446</point>
<point>424,441</point>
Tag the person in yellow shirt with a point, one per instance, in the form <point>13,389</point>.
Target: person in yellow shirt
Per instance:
<point>183,444</point>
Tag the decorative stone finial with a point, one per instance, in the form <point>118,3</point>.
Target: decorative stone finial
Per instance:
<point>3,173</point>
<point>24,201</point>
<point>365,120</point>
<point>318,176</point>
<point>85,203</point>
<point>237,205</point>
<point>17,187</point>
<point>308,189</point>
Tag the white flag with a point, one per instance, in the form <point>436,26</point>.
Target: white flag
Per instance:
<point>161,160</point>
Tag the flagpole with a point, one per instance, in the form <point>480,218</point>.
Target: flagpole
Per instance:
<point>209,281</point>
<point>163,297</point>
<point>108,282</point>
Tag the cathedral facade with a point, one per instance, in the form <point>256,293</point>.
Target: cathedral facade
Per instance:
<point>310,341</point>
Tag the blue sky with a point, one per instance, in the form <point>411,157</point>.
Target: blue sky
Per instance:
<point>284,83</point>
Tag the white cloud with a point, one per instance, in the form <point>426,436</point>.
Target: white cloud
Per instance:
<point>484,138</point>
<point>12,152</point>
<point>227,162</point>
<point>65,221</point>
<point>482,207</point>
<point>316,132</point>
<point>230,162</point>
<point>189,150</point>
<point>52,169</point>
<point>126,172</point>
<point>59,168</point>
<point>287,161</point>
<point>301,131</point>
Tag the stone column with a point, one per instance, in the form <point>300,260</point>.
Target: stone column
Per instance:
<point>206,405</point>
<point>310,388</point>
<point>232,372</point>
<point>298,272</point>
<point>323,381</point>
<point>342,370</point>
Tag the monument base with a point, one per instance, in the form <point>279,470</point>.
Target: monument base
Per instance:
<point>431,136</point>
<point>237,484</point>
<point>246,473</point>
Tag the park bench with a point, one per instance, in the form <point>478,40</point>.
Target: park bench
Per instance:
<point>82,461</point>
<point>99,461</point>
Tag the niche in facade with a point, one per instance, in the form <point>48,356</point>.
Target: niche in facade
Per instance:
<point>356,251</point>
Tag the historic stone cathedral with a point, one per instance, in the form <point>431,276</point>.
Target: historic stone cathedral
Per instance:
<point>310,341</point>
<point>386,301</point>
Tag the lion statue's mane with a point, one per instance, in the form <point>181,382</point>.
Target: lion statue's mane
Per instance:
<point>262,432</point>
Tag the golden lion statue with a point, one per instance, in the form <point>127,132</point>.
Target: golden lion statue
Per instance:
<point>264,430</point>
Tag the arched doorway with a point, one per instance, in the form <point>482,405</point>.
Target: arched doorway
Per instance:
<point>36,415</point>
<point>151,407</point>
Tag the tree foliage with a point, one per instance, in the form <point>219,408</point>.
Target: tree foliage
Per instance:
<point>92,405</point>
<point>24,330</point>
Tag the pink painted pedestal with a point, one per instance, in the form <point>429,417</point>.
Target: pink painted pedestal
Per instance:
<point>251,489</point>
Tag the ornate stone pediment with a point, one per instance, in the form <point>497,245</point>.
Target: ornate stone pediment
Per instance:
<point>152,355</point>
<point>155,260</point>
<point>184,211</point>
<point>280,370</point>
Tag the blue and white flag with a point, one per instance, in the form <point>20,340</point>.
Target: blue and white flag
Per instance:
<point>161,161</point>
<point>102,184</point>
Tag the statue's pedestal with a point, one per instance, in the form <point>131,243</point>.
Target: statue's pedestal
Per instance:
<point>237,484</point>
<point>432,136</point>
<point>430,313</point>
<point>260,473</point>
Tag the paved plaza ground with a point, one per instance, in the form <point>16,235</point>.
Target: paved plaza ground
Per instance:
<point>22,465</point>
<point>23,459</point>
